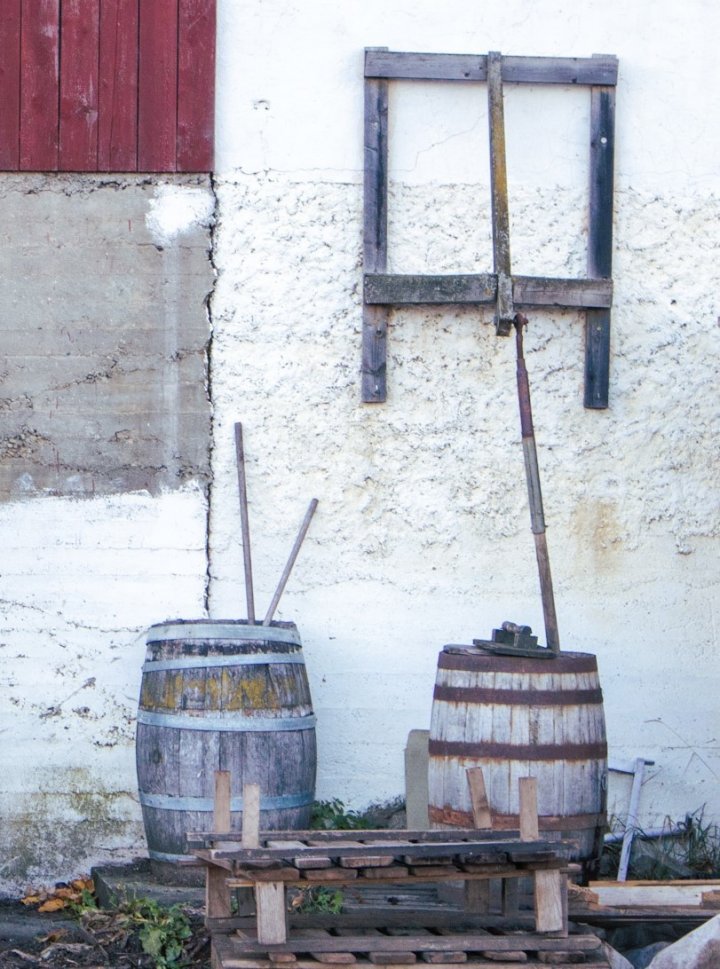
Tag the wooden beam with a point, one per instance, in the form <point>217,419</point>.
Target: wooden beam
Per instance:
<point>383,289</point>
<point>473,67</point>
<point>597,328</point>
<point>375,320</point>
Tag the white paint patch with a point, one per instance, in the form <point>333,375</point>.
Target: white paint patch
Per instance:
<point>177,209</point>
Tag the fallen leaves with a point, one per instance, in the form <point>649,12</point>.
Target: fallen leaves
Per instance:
<point>65,895</point>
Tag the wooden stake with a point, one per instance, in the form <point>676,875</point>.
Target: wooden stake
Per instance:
<point>244,523</point>
<point>291,561</point>
<point>478,797</point>
<point>251,816</point>
<point>529,827</point>
<point>217,896</point>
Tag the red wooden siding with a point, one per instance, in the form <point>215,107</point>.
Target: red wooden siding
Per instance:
<point>117,121</point>
<point>10,85</point>
<point>107,85</point>
<point>39,77</point>
<point>79,33</point>
<point>196,85</point>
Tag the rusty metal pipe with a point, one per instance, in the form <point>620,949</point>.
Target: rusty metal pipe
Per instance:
<point>532,473</point>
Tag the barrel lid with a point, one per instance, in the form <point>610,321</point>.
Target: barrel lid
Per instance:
<point>238,630</point>
<point>455,656</point>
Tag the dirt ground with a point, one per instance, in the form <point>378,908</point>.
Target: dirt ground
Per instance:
<point>96,939</point>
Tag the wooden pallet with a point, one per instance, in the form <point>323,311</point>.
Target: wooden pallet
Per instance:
<point>393,946</point>
<point>260,866</point>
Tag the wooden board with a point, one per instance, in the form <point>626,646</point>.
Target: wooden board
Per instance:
<point>481,288</point>
<point>118,86</point>
<point>196,86</point>
<point>645,893</point>
<point>380,62</point>
<point>79,42</point>
<point>39,81</point>
<point>157,86</point>
<point>10,80</point>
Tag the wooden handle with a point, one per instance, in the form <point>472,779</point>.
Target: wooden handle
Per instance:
<point>244,523</point>
<point>291,561</point>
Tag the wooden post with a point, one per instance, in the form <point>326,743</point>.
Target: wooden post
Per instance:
<point>251,816</point>
<point>550,912</point>
<point>529,827</point>
<point>269,896</point>
<point>478,797</point>
<point>217,896</point>
<point>477,893</point>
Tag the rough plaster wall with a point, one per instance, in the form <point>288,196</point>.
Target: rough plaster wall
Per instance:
<point>104,437</point>
<point>422,534</point>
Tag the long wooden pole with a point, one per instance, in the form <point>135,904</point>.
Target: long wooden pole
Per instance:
<point>244,523</point>
<point>537,516</point>
<point>290,562</point>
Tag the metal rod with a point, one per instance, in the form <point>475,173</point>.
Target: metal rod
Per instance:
<point>244,523</point>
<point>290,562</point>
<point>532,472</point>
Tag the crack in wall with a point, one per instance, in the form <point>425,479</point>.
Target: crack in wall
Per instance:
<point>209,300</point>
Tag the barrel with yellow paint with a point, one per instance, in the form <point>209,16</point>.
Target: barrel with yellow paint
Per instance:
<point>222,695</point>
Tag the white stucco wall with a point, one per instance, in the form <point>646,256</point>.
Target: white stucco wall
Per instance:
<point>422,534</point>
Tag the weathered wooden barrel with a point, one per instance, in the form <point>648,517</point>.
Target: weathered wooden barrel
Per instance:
<point>227,696</point>
<point>516,717</point>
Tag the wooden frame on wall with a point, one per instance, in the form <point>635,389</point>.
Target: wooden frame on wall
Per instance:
<point>382,290</point>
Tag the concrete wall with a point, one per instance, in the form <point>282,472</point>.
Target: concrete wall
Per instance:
<point>422,533</point>
<point>105,450</point>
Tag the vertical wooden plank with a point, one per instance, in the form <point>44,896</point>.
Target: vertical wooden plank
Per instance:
<point>221,803</point>
<point>597,326</point>
<point>271,917</point>
<point>375,318</point>
<point>478,798</point>
<point>217,895</point>
<point>196,86</point>
<point>39,85</point>
<point>79,40</point>
<point>10,85</point>
<point>118,86</point>
<point>529,829</point>
<point>157,86</point>
<point>504,311</point>
<point>548,901</point>
<point>251,816</point>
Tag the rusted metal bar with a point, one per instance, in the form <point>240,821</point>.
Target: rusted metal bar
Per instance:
<point>532,472</point>
<point>504,311</point>
<point>244,523</point>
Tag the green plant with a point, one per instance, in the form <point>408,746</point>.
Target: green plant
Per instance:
<point>86,902</point>
<point>162,931</point>
<point>334,815</point>
<point>319,899</point>
<point>686,849</point>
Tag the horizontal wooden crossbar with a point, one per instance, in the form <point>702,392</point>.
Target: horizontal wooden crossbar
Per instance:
<point>600,69</point>
<point>383,289</point>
